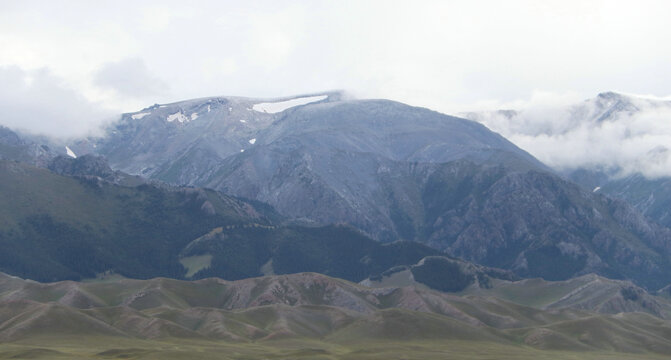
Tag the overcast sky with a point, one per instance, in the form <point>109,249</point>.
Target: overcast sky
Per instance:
<point>65,65</point>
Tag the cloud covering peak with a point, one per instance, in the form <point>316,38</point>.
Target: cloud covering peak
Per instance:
<point>445,55</point>
<point>617,133</point>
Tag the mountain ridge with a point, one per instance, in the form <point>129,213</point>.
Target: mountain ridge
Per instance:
<point>395,172</point>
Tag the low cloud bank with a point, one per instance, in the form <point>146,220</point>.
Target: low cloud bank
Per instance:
<point>619,134</point>
<point>130,78</point>
<point>39,103</point>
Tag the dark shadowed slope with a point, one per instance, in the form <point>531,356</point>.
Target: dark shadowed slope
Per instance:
<point>56,227</point>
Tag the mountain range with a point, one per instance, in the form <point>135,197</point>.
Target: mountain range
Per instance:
<point>321,226</point>
<point>394,172</point>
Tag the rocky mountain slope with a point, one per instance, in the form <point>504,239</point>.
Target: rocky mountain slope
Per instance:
<point>652,197</point>
<point>394,172</point>
<point>325,161</point>
<point>17,148</point>
<point>624,141</point>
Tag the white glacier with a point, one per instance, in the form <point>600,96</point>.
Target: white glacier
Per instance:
<point>275,107</point>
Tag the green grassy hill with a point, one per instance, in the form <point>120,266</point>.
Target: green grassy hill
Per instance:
<point>590,292</point>
<point>297,316</point>
<point>55,227</point>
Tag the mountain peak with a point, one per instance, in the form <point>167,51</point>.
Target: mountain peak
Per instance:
<point>610,95</point>
<point>612,99</point>
<point>329,96</point>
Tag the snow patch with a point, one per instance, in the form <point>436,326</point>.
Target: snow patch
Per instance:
<point>596,189</point>
<point>177,116</point>
<point>230,109</point>
<point>242,150</point>
<point>209,108</point>
<point>70,153</point>
<point>139,116</point>
<point>194,116</point>
<point>252,141</point>
<point>275,107</point>
<point>243,121</point>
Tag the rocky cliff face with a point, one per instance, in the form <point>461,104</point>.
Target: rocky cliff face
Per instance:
<point>14,147</point>
<point>91,166</point>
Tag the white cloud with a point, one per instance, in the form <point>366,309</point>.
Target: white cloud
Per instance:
<point>635,137</point>
<point>130,78</point>
<point>157,18</point>
<point>38,102</point>
<point>446,55</point>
